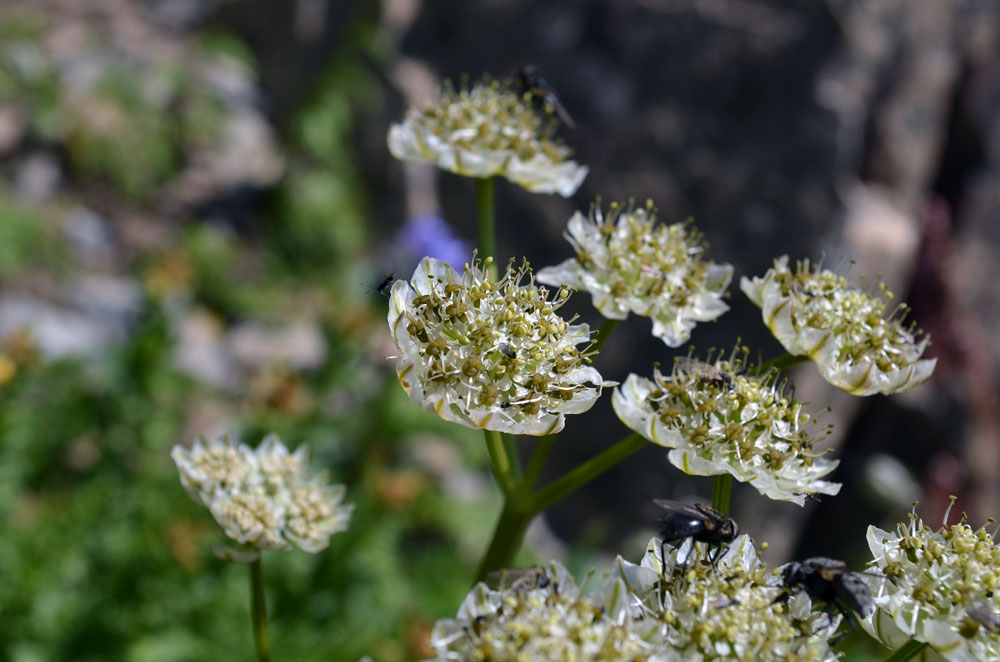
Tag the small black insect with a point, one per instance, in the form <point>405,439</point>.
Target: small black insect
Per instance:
<point>705,372</point>
<point>507,351</point>
<point>530,81</point>
<point>697,521</point>
<point>829,581</point>
<point>521,579</point>
<point>386,282</point>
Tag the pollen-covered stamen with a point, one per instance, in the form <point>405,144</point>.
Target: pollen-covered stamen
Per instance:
<point>631,263</point>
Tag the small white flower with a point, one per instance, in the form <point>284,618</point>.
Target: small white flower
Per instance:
<point>491,355</point>
<point>814,312</point>
<point>718,421</point>
<point>724,611</point>
<point>942,588</point>
<point>550,620</point>
<point>488,130</point>
<point>630,263</point>
<point>265,498</point>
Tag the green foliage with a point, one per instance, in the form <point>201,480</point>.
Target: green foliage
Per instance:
<point>26,238</point>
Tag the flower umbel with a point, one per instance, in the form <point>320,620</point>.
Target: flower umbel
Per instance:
<point>548,620</point>
<point>725,611</point>
<point>491,355</point>
<point>265,498</point>
<point>630,263</point>
<point>816,313</point>
<point>942,588</point>
<point>718,421</point>
<point>486,131</point>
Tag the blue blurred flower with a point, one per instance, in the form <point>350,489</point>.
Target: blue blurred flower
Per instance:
<point>429,235</point>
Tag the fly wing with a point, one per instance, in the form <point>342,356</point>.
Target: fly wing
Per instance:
<point>691,366</point>
<point>853,592</point>
<point>682,520</point>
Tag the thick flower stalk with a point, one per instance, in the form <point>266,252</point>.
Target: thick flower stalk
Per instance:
<point>816,313</point>
<point>630,263</point>
<point>545,618</point>
<point>717,421</point>
<point>265,498</point>
<point>490,355</point>
<point>488,130</point>
<point>727,611</point>
<point>942,588</point>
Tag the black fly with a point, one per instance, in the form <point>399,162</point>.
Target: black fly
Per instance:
<point>530,81</point>
<point>386,282</point>
<point>829,581</point>
<point>697,521</point>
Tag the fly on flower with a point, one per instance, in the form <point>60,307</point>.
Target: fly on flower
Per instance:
<point>706,372</point>
<point>829,580</point>
<point>531,82</point>
<point>520,579</point>
<point>699,522</point>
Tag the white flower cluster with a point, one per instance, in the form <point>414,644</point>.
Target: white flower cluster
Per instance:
<point>491,355</point>
<point>546,619</point>
<point>942,588</point>
<point>816,313</point>
<point>724,611</point>
<point>486,131</point>
<point>659,611</point>
<point>718,421</point>
<point>630,263</point>
<point>265,498</point>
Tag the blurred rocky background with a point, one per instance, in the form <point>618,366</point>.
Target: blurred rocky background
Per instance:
<point>196,203</point>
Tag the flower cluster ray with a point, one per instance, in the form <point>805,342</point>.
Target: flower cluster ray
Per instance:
<point>942,587</point>
<point>717,420</point>
<point>265,498</point>
<point>490,354</point>
<point>816,313</point>
<point>630,263</point>
<point>486,131</point>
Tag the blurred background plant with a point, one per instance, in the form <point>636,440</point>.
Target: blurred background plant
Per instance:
<point>196,204</point>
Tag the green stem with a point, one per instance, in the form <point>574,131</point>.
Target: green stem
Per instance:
<point>781,363</point>
<point>259,612</point>
<point>722,489</point>
<point>485,224</point>
<point>603,333</point>
<point>500,461</point>
<point>586,472</point>
<point>514,457</point>
<point>507,538</point>
<point>907,651</point>
<point>536,462</point>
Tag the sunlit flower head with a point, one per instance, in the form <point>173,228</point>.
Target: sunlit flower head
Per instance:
<point>488,130</point>
<point>265,498</point>
<point>491,355</point>
<point>816,313</point>
<point>729,611</point>
<point>942,588</point>
<point>544,620</point>
<point>630,263</point>
<point>717,420</point>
